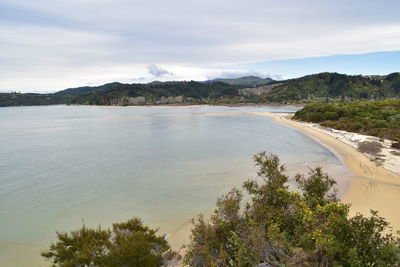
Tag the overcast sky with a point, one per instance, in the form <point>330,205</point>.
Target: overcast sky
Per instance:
<point>48,45</point>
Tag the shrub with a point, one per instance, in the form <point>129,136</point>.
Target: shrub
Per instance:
<point>380,124</point>
<point>355,127</point>
<point>126,244</point>
<point>331,115</point>
<point>395,118</point>
<point>396,145</point>
<point>316,117</point>
<point>370,147</point>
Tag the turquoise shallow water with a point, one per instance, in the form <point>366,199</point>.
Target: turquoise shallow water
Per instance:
<point>61,165</point>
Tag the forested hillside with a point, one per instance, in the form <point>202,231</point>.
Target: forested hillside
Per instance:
<point>249,81</point>
<point>132,94</point>
<point>328,87</point>
<point>18,99</point>
<point>159,93</point>
<point>335,86</point>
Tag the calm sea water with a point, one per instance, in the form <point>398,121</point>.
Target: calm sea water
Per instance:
<point>61,166</point>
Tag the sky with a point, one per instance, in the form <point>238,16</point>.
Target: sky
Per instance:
<point>50,45</point>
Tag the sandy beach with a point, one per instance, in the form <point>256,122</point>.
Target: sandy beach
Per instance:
<point>372,187</point>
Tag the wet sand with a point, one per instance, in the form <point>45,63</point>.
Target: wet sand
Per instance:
<point>10,254</point>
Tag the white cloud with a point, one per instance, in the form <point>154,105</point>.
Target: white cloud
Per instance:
<point>83,38</point>
<point>158,71</point>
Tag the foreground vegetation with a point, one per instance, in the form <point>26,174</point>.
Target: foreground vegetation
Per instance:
<point>126,244</point>
<point>376,118</point>
<point>277,227</point>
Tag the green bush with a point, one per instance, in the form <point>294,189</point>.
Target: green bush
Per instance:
<point>377,118</point>
<point>380,124</point>
<point>126,244</point>
<point>331,115</point>
<point>394,118</point>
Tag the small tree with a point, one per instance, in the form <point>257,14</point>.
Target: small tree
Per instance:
<point>126,244</point>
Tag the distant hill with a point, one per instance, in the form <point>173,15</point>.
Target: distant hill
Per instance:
<point>335,86</point>
<point>86,89</point>
<point>249,81</point>
<point>158,93</point>
<point>30,99</point>
<point>311,88</point>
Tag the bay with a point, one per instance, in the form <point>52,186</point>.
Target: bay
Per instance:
<point>61,166</point>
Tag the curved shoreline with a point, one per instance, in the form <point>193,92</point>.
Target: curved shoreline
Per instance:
<point>353,159</point>
<point>371,188</point>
